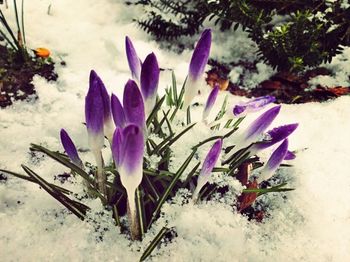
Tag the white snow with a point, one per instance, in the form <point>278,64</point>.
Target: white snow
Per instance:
<point>311,224</point>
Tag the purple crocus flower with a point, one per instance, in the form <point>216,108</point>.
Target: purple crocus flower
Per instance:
<point>127,148</point>
<point>70,148</point>
<point>197,65</point>
<point>276,135</point>
<point>210,102</point>
<point>94,115</point>
<point>208,165</point>
<point>274,161</point>
<point>253,105</point>
<point>149,81</point>
<point>117,112</point>
<point>134,108</point>
<point>257,128</point>
<point>133,60</point>
<point>107,116</point>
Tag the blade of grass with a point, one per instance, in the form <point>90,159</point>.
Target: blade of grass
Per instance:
<point>173,140</point>
<point>23,31</point>
<point>154,243</point>
<point>188,115</point>
<point>154,111</point>
<point>63,190</point>
<point>64,161</point>
<point>170,187</point>
<point>64,200</point>
<point>9,30</point>
<point>174,87</point>
<point>140,206</point>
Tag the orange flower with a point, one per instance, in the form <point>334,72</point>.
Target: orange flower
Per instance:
<point>42,52</point>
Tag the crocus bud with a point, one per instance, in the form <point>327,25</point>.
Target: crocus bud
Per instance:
<point>253,105</point>
<point>117,112</point>
<point>134,108</point>
<point>275,135</point>
<point>149,82</point>
<point>127,148</point>
<point>258,127</point>
<point>94,115</point>
<point>274,161</point>
<point>70,148</point>
<point>133,60</point>
<point>210,102</point>
<point>107,116</point>
<point>208,165</point>
<point>197,66</point>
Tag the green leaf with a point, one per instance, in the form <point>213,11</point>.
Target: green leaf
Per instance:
<point>140,206</point>
<point>173,140</point>
<point>65,161</point>
<point>154,111</point>
<point>154,243</point>
<point>188,115</point>
<point>30,179</point>
<point>174,87</point>
<point>78,209</point>
<point>170,187</point>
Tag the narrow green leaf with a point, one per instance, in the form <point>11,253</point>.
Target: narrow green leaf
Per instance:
<point>173,140</point>
<point>140,206</point>
<point>170,187</point>
<point>71,205</point>
<point>174,87</point>
<point>188,115</point>
<point>154,111</point>
<point>65,161</point>
<point>154,243</point>
<point>30,179</point>
<point>190,175</point>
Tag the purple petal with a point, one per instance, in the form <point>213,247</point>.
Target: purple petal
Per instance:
<point>94,110</point>
<point>132,150</point>
<point>277,157</point>
<point>290,155</point>
<point>200,55</point>
<point>238,110</point>
<point>197,65</point>
<point>117,145</point>
<point>134,109</point>
<point>133,60</point>
<point>210,101</point>
<point>211,159</point>
<point>96,80</point>
<point>276,135</point>
<point>117,112</point>
<point>149,76</point>
<point>70,148</point>
<point>149,82</point>
<point>252,105</point>
<point>208,165</point>
<point>261,123</point>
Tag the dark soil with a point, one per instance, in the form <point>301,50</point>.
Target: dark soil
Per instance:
<point>16,76</point>
<point>286,87</point>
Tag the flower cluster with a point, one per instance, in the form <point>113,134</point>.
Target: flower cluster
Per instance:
<point>128,184</point>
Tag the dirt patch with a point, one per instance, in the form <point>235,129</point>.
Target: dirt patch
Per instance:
<point>16,76</point>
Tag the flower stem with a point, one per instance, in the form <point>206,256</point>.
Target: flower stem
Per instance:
<point>100,176</point>
<point>133,221</point>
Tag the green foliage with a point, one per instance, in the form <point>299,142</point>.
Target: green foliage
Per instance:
<point>159,182</point>
<point>309,32</point>
<point>15,39</point>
